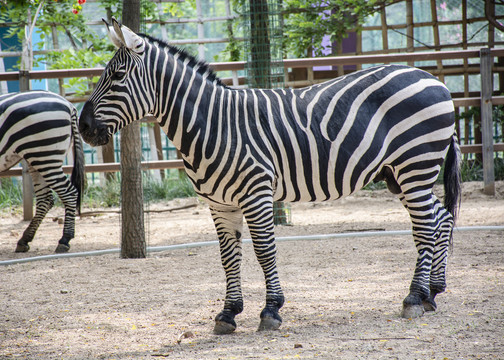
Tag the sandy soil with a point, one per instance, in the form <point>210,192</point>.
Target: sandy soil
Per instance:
<point>343,295</point>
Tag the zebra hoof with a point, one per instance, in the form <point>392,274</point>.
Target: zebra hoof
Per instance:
<point>269,323</point>
<point>412,311</point>
<point>224,323</point>
<point>270,320</point>
<point>429,305</point>
<point>62,248</point>
<point>21,248</point>
<point>223,328</point>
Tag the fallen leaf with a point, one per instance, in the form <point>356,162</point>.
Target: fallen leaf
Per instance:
<point>184,335</point>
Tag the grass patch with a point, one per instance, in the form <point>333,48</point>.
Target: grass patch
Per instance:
<point>168,189</point>
<point>103,196</point>
<point>472,170</point>
<point>11,193</point>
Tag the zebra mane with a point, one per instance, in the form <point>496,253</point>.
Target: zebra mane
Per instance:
<point>202,67</point>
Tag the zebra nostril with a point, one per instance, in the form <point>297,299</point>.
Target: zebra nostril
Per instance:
<point>86,118</point>
<point>82,126</point>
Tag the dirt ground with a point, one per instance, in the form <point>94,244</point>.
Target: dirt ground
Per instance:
<point>343,296</point>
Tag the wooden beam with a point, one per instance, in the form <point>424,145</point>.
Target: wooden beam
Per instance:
<point>476,101</point>
<point>478,148</point>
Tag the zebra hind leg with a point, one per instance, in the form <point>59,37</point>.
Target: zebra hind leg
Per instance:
<point>229,226</point>
<point>432,226</point>
<point>69,197</point>
<point>44,202</point>
<point>439,261</point>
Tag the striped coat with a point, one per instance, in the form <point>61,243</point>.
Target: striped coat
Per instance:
<point>39,127</point>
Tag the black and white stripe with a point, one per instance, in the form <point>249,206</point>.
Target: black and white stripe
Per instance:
<point>39,127</point>
<point>243,149</point>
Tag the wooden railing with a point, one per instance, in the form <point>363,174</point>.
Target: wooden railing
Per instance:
<point>485,101</point>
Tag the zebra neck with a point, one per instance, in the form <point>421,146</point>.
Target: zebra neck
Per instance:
<point>186,102</point>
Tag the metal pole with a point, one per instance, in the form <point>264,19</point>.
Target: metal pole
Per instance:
<point>486,63</point>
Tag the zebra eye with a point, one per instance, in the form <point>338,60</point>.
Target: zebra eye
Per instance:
<point>118,75</point>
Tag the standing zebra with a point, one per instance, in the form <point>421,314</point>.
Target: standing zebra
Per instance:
<point>244,149</point>
<point>38,126</point>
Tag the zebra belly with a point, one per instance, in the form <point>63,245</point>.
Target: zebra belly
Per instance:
<point>290,194</point>
<point>8,161</point>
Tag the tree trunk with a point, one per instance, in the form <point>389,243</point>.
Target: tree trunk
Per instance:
<point>133,231</point>
<point>108,152</point>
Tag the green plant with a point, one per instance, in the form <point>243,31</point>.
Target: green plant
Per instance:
<point>306,22</point>
<point>103,196</point>
<point>499,168</point>
<point>168,189</point>
<point>471,170</point>
<point>380,185</point>
<point>110,194</point>
<point>75,59</point>
<point>11,193</point>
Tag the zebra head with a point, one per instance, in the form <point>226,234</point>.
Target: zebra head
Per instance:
<point>123,93</point>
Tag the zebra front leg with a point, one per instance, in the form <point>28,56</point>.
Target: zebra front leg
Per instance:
<point>260,222</point>
<point>229,226</point>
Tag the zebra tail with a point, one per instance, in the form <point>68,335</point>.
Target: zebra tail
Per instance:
<point>452,178</point>
<point>78,172</point>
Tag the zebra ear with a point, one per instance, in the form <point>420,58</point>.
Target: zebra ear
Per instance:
<point>127,38</point>
<point>112,34</point>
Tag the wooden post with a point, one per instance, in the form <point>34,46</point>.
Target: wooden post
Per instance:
<point>159,146</point>
<point>156,174</point>
<point>410,47</point>
<point>486,63</point>
<point>24,85</point>
<point>27,193</point>
<point>466,73</point>
<point>384,30</point>
<point>437,41</point>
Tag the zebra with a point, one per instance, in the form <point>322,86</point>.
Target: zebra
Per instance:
<point>38,126</point>
<point>245,148</point>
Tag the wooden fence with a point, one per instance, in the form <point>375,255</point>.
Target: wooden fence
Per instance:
<point>486,99</point>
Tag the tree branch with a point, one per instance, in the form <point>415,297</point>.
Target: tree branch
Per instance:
<point>490,15</point>
<point>70,37</point>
